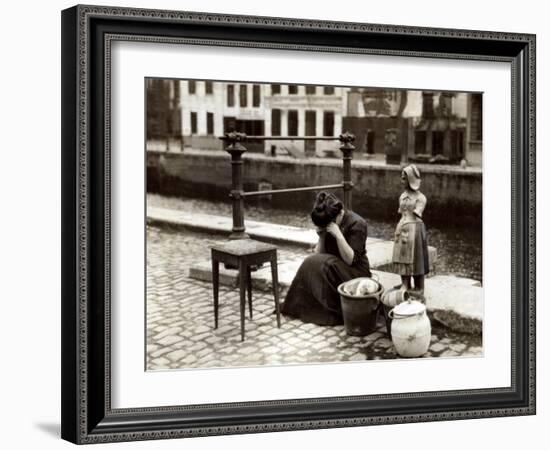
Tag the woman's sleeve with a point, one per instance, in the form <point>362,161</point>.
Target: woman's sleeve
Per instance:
<point>320,246</point>
<point>356,237</point>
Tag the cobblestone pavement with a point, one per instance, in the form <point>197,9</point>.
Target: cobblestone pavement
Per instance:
<point>180,319</point>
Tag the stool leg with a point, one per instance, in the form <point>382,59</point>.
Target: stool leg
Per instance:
<point>249,287</point>
<point>242,285</point>
<point>275,283</point>
<point>215,285</point>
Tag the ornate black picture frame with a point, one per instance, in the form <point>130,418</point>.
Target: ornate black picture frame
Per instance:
<point>87,34</point>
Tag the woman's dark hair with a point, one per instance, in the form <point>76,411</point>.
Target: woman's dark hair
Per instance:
<point>325,209</point>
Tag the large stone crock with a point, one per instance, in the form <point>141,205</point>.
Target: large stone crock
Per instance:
<point>411,329</point>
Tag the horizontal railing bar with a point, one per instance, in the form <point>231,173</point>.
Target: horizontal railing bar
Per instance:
<point>291,138</point>
<point>283,191</point>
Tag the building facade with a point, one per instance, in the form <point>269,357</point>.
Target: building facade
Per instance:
<point>163,112</point>
<point>408,124</point>
<point>210,109</point>
<point>424,126</point>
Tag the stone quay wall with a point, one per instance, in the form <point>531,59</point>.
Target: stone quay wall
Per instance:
<point>454,194</point>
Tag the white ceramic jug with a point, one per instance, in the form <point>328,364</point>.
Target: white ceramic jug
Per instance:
<point>411,330</point>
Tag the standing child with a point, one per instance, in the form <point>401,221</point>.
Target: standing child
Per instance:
<point>410,248</point>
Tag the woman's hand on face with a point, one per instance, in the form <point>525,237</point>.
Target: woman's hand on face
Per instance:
<point>334,229</point>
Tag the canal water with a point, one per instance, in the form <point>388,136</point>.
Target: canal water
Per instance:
<point>458,248</point>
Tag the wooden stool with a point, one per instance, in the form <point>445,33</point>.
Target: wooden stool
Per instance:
<point>242,254</point>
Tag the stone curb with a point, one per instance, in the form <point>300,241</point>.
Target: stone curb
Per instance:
<point>379,251</point>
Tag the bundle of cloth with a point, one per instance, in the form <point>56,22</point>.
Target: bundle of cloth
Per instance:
<point>361,287</point>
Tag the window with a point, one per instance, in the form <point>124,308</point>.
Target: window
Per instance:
<point>292,122</point>
<point>311,90</point>
<point>192,86</point>
<point>208,87</point>
<point>371,139</point>
<point>328,123</point>
<point>243,100</point>
<point>209,123</point>
<point>229,124</point>
<point>446,104</point>
<point>428,105</point>
<point>420,141</point>
<point>292,89</point>
<point>328,90</point>
<point>230,95</point>
<point>311,130</point>
<point>275,122</point>
<point>193,123</point>
<point>457,144</point>
<point>476,118</point>
<point>275,89</point>
<point>310,123</point>
<point>438,138</point>
<point>256,95</point>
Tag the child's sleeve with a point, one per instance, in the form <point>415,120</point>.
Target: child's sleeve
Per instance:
<point>419,206</point>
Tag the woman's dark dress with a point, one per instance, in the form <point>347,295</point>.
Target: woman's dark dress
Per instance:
<point>313,296</point>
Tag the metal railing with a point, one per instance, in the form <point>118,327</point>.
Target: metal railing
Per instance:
<point>234,146</point>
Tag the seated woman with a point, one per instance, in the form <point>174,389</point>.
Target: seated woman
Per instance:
<point>339,256</point>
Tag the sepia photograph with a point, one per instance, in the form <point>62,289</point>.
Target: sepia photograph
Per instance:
<point>274,223</point>
<point>303,224</point>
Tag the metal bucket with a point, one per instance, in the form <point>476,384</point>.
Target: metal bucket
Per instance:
<point>360,312</point>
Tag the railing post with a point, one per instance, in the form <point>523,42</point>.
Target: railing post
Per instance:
<point>234,147</point>
<point>347,147</point>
